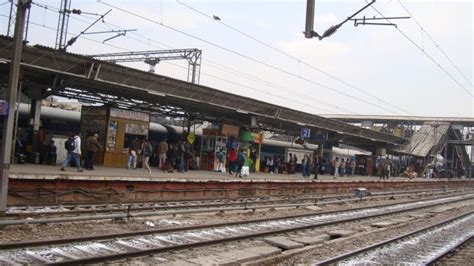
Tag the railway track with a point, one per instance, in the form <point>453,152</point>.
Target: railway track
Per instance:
<point>51,214</point>
<point>117,246</point>
<point>420,247</point>
<point>462,254</point>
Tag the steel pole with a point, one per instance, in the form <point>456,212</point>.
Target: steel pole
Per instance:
<point>11,95</point>
<point>309,26</point>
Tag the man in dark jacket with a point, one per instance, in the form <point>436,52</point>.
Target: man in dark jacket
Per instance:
<point>92,146</point>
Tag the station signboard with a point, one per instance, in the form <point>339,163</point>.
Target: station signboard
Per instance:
<point>129,114</point>
<point>305,133</point>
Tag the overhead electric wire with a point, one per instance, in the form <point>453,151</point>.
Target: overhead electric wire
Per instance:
<point>210,75</point>
<point>292,57</point>
<point>221,67</point>
<point>244,56</point>
<point>252,88</point>
<point>425,53</point>
<point>435,43</point>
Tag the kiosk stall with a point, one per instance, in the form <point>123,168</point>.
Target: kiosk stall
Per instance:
<point>117,128</point>
<point>214,139</point>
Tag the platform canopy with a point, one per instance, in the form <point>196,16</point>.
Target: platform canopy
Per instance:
<point>91,80</point>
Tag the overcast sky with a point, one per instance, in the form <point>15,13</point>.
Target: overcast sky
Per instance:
<point>379,67</point>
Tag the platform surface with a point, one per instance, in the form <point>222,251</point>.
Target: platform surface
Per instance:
<point>34,171</point>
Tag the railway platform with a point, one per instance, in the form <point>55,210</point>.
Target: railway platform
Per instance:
<point>48,184</point>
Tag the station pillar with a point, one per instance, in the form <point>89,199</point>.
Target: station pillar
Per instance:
<point>11,96</point>
<point>35,116</point>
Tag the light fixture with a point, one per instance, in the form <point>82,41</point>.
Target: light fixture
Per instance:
<point>157,93</point>
<point>242,112</point>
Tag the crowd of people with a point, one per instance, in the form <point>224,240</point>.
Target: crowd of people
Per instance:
<point>180,156</point>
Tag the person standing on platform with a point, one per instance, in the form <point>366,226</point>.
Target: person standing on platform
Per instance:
<point>232,157</point>
<point>337,165</point>
<point>180,150</point>
<point>309,164</point>
<point>50,154</point>
<point>276,164</point>
<point>132,154</point>
<point>170,159</point>
<point>240,163</point>
<point>342,169</point>
<point>290,163</point>
<point>220,160</point>
<point>73,147</point>
<point>92,146</point>
<point>293,166</point>
<point>270,164</point>
<point>147,150</point>
<point>317,166</point>
<point>304,164</point>
<point>352,165</point>
<point>162,150</point>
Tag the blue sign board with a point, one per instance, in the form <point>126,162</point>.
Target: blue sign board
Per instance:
<point>305,133</point>
<point>3,107</point>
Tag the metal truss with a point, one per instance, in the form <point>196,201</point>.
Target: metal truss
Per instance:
<point>90,79</point>
<point>152,58</point>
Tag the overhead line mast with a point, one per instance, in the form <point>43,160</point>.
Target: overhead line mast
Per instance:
<point>152,58</point>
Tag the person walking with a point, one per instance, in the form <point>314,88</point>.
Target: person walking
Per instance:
<point>162,150</point>
<point>92,146</point>
<point>132,154</point>
<point>73,147</point>
<point>147,150</point>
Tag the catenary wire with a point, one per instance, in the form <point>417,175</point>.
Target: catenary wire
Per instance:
<point>176,65</point>
<point>300,61</point>
<point>424,52</point>
<point>217,65</point>
<point>246,56</point>
<point>435,43</point>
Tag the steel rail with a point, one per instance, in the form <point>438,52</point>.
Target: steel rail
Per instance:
<point>360,251</point>
<point>189,210</point>
<point>143,232</point>
<point>283,197</point>
<point>128,207</point>
<point>140,252</point>
<point>435,260</point>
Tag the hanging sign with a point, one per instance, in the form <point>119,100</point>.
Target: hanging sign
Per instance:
<point>305,133</point>
<point>191,137</point>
